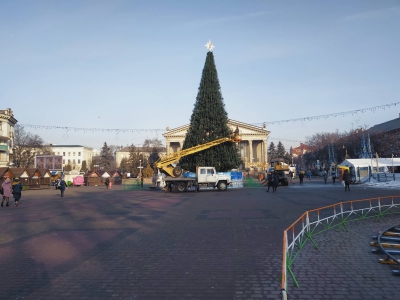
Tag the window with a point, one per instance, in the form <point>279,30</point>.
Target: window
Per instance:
<point>69,161</point>
<point>64,161</point>
<point>73,161</point>
<point>203,171</point>
<point>79,161</point>
<point>210,171</point>
<point>73,154</point>
<point>79,154</point>
<point>63,153</point>
<point>69,153</point>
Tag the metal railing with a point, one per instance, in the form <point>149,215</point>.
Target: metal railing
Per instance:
<point>317,221</point>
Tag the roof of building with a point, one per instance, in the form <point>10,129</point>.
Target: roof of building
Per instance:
<point>69,146</point>
<point>385,127</point>
<point>140,149</point>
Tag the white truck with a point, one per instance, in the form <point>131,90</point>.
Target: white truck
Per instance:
<point>205,176</point>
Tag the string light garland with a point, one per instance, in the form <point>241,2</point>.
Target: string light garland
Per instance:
<point>339,114</point>
<point>114,130</point>
<point>117,131</point>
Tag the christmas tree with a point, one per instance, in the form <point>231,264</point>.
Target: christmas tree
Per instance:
<point>209,121</point>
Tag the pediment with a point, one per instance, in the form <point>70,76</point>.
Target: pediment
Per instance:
<point>245,130</point>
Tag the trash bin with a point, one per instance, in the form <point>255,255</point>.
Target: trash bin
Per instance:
<point>68,183</point>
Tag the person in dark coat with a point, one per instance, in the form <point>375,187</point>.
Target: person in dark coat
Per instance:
<point>346,179</point>
<point>325,176</point>
<point>275,181</point>
<point>63,186</point>
<point>17,190</point>
<point>269,181</point>
<point>107,183</point>
<point>333,176</point>
<point>301,177</point>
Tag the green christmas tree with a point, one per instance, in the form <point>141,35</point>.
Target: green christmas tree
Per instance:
<point>209,121</point>
<point>106,157</point>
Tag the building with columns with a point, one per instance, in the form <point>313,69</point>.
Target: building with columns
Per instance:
<point>253,147</point>
<point>7,123</point>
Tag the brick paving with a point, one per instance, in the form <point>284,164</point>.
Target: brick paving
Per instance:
<point>146,244</point>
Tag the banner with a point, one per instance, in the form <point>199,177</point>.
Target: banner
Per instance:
<point>51,162</point>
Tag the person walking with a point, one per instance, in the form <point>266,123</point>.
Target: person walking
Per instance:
<point>141,180</point>
<point>268,181</point>
<point>309,174</point>
<point>346,178</point>
<point>6,186</point>
<point>17,190</point>
<point>334,176</point>
<point>325,176</point>
<point>301,177</point>
<point>107,182</point>
<point>275,181</point>
<point>63,186</point>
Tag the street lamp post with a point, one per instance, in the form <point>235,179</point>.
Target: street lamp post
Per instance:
<point>140,167</point>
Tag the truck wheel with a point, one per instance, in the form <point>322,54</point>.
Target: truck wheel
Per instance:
<point>181,186</point>
<point>285,182</point>
<point>222,185</point>
<point>177,171</point>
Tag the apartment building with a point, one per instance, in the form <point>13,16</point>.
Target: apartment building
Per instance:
<point>7,123</point>
<point>73,155</point>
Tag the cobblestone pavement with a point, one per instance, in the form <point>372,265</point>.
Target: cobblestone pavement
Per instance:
<point>115,244</point>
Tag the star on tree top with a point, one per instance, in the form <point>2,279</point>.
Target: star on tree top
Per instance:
<point>209,46</point>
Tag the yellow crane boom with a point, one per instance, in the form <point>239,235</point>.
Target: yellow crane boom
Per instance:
<point>165,163</point>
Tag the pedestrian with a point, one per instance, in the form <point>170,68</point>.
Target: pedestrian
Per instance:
<point>325,176</point>
<point>17,190</point>
<point>268,181</point>
<point>275,180</point>
<point>333,176</point>
<point>107,182</point>
<point>301,177</point>
<point>291,176</point>
<point>57,184</point>
<point>154,179</point>
<point>6,187</point>
<point>309,174</point>
<point>63,186</point>
<point>346,178</point>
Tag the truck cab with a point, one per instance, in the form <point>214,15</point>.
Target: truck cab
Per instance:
<point>207,176</point>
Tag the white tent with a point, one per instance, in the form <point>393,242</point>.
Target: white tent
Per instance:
<point>380,165</point>
<point>366,162</point>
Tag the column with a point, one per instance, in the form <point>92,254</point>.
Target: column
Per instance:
<point>251,151</point>
<point>265,152</point>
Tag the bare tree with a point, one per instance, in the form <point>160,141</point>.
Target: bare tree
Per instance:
<point>26,147</point>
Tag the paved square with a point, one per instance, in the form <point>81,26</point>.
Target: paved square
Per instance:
<point>146,244</point>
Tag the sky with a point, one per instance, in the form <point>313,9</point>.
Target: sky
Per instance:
<point>124,64</point>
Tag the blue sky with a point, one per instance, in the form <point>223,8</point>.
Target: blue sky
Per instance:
<point>137,64</point>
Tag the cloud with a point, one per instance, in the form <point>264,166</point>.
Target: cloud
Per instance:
<point>378,13</point>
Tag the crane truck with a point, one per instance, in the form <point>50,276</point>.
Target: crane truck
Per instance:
<point>205,176</point>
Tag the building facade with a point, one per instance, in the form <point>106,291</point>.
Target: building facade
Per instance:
<point>253,147</point>
<point>7,123</point>
<point>300,150</point>
<point>73,155</point>
<point>123,152</point>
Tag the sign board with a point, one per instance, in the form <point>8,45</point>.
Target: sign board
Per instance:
<point>51,162</point>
